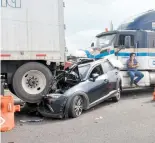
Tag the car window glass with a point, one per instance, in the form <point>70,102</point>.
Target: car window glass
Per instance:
<point>107,67</point>
<point>97,70</point>
<point>83,70</point>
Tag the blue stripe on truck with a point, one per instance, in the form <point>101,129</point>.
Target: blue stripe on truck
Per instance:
<point>138,54</point>
<point>89,55</point>
<point>104,54</point>
<point>123,54</point>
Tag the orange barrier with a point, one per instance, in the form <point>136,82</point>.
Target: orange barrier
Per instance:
<point>154,95</point>
<point>7,113</point>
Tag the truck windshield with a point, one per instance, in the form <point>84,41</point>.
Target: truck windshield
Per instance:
<point>104,40</point>
<point>83,70</point>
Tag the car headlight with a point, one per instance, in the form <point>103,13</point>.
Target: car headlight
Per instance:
<point>55,96</point>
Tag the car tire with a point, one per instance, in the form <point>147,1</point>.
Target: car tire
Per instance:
<point>117,96</point>
<point>31,81</point>
<point>76,107</point>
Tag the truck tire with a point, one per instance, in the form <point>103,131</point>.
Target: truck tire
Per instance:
<point>2,89</point>
<point>31,81</point>
<point>10,86</point>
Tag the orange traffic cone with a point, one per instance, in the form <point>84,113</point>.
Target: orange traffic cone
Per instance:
<point>7,113</point>
<point>154,95</point>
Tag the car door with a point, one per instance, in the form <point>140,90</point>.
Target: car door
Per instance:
<point>96,89</point>
<point>112,75</point>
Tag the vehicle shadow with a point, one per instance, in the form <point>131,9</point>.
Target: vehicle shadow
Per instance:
<point>103,104</point>
<point>136,94</point>
<point>150,101</point>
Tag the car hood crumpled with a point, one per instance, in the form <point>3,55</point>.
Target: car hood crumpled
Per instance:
<point>73,90</point>
<point>116,63</point>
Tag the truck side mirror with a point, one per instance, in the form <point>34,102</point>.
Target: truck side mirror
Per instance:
<point>92,44</point>
<point>127,42</point>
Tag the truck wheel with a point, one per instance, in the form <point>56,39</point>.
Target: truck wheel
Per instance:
<point>31,81</point>
<point>11,88</point>
<point>2,89</point>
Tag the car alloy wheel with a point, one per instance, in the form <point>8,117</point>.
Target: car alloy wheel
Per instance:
<point>118,96</point>
<point>78,106</point>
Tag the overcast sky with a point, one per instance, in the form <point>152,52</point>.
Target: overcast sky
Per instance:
<point>86,18</point>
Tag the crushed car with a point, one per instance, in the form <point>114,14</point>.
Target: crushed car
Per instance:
<point>81,86</point>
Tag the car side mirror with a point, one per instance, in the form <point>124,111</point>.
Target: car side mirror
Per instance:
<point>127,42</point>
<point>94,77</point>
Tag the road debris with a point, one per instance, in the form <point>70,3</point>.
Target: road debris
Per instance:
<point>31,120</point>
<point>21,124</point>
<point>99,118</point>
<point>95,122</point>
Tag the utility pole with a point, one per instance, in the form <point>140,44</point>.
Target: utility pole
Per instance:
<point>111,26</point>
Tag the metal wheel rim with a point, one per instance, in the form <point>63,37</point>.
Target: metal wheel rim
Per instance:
<point>78,106</point>
<point>118,93</point>
<point>33,82</point>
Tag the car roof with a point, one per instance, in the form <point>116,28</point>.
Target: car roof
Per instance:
<point>93,63</point>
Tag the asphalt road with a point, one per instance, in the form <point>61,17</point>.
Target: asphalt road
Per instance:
<point>132,120</point>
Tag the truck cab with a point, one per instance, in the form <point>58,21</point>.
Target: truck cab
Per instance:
<point>136,35</point>
<point>124,42</point>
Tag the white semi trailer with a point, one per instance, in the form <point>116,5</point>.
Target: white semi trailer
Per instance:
<point>32,44</point>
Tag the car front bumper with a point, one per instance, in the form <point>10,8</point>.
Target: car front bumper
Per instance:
<point>51,115</point>
<point>57,108</point>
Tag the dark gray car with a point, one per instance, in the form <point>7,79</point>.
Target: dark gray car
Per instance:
<point>98,81</point>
